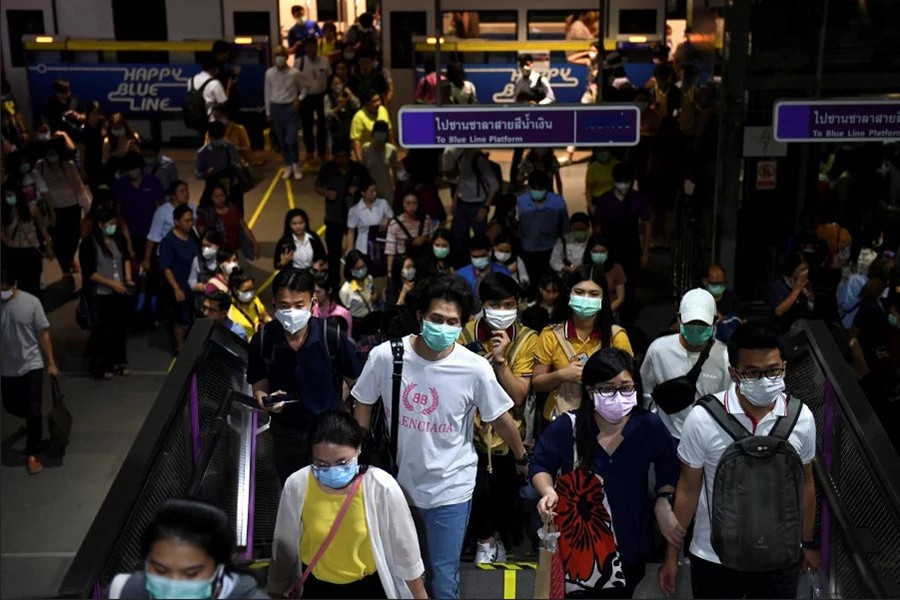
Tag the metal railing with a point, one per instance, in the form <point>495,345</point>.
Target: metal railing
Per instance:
<point>857,471</point>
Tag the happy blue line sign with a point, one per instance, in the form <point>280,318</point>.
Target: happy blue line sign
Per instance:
<point>519,126</point>
<point>837,120</point>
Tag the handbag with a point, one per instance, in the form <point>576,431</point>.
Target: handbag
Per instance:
<point>84,312</point>
<point>380,447</point>
<point>294,592</point>
<point>678,393</point>
<point>549,580</point>
<point>59,420</point>
<point>375,249</point>
<point>248,176</point>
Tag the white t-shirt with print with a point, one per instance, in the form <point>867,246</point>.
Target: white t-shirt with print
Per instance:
<point>435,452</point>
<point>703,443</point>
<point>667,359</point>
<point>360,217</point>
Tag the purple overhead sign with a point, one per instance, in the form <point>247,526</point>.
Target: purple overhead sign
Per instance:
<point>518,126</point>
<point>837,120</point>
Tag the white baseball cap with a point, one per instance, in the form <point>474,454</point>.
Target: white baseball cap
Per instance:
<point>697,305</point>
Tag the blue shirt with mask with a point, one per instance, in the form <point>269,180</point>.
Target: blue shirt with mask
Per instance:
<point>541,221</point>
<point>471,275</point>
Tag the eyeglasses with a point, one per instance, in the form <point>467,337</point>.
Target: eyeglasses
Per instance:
<point>608,391</point>
<point>318,466</point>
<point>754,374</point>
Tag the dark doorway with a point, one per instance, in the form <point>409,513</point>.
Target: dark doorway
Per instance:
<point>19,23</point>
<point>140,21</point>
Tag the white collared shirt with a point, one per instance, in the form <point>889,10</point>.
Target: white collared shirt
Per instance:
<point>313,74</point>
<point>703,442</point>
<point>303,252</point>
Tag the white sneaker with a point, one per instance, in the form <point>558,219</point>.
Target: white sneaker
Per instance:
<point>485,554</point>
<point>298,174</point>
<point>501,553</point>
<point>287,172</point>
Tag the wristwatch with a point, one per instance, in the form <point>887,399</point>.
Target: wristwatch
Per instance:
<point>669,496</point>
<point>500,362</point>
<point>526,458</point>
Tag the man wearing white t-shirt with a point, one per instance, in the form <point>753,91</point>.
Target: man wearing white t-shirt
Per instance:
<point>213,93</point>
<point>442,384</point>
<point>755,399</point>
<point>673,356</point>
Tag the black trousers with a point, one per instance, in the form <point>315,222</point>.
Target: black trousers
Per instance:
<point>334,240</point>
<point>26,266</point>
<point>66,235</point>
<point>711,580</point>
<point>107,345</point>
<point>494,499</point>
<point>518,153</point>
<point>312,114</point>
<point>291,449</point>
<point>27,391</point>
<point>536,263</point>
<point>367,587</point>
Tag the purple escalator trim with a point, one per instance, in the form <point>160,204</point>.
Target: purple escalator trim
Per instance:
<point>251,503</point>
<point>827,452</point>
<point>95,592</point>
<point>195,418</point>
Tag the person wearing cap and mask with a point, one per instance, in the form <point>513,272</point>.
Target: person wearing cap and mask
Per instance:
<point>756,398</point>
<point>569,250</point>
<point>674,355</point>
<point>509,346</point>
<point>444,383</point>
<point>543,219</point>
<point>290,357</point>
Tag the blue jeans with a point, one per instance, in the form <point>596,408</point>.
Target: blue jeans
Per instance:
<point>284,124</point>
<point>441,532</point>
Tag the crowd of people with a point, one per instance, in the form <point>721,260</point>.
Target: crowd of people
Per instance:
<point>500,340</point>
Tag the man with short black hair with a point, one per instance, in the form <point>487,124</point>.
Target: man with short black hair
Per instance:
<point>481,265</point>
<point>543,219</point>
<point>314,71</point>
<point>728,307</point>
<point>302,31</point>
<point>24,334</point>
<point>158,164</point>
<point>756,405</point>
<point>214,92</point>
<point>476,187</point>
<point>531,88</point>
<point>63,111</point>
<point>569,249</point>
<point>292,357</point>
<point>215,306</point>
<point>442,384</point>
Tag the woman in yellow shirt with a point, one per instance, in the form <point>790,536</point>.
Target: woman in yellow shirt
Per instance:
<point>375,552</point>
<point>247,310</point>
<point>564,348</point>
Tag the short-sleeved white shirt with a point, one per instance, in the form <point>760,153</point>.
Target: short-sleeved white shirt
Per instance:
<point>703,443</point>
<point>360,217</point>
<point>213,94</point>
<point>435,451</point>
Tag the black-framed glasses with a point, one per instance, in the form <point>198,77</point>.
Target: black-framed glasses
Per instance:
<point>755,374</point>
<point>608,391</point>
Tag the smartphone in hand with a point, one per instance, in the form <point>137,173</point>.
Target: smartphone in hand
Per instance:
<point>581,357</point>
<point>276,398</point>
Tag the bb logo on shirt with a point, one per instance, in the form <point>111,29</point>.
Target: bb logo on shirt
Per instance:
<point>423,404</point>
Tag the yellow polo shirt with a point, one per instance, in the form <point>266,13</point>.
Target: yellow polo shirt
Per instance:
<point>362,124</point>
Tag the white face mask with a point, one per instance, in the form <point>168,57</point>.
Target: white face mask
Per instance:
<point>209,252</point>
<point>502,256</point>
<point>592,55</point>
<point>402,174</point>
<point>499,318</point>
<point>229,267</point>
<point>409,274</point>
<point>280,61</point>
<point>763,391</point>
<point>246,296</point>
<point>293,319</point>
<point>624,187</point>
<point>6,294</point>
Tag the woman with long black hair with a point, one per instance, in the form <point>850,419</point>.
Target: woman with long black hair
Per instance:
<point>106,273</point>
<point>21,223</point>
<point>597,253</point>
<point>563,349</point>
<point>299,245</point>
<point>599,455</point>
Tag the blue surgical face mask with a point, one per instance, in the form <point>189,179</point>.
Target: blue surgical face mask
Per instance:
<point>440,251</point>
<point>480,262</point>
<point>585,307</point>
<point>110,229</point>
<point>696,335</point>
<point>716,289</point>
<point>337,476</point>
<point>439,337</point>
<point>11,199</point>
<point>599,257</point>
<point>538,195</point>
<point>359,273</point>
<point>892,319</point>
<point>164,587</point>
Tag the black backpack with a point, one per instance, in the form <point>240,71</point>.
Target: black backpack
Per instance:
<point>193,109</point>
<point>756,513</point>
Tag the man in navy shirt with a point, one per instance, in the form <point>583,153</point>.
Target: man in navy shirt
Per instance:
<point>292,356</point>
<point>302,30</point>
<point>543,219</point>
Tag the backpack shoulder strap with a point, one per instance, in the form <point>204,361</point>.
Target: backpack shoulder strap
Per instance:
<point>560,332</point>
<point>565,250</point>
<point>785,425</point>
<point>332,337</point>
<point>396,378</point>
<point>205,83</point>
<point>521,336</point>
<point>726,421</point>
<point>467,336</point>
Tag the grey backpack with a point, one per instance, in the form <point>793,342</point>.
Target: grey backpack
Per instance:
<point>756,513</point>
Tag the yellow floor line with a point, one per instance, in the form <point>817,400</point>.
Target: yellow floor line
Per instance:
<point>171,365</point>
<point>509,584</point>
<point>265,199</point>
<point>290,193</point>
<point>321,231</point>
<point>267,283</point>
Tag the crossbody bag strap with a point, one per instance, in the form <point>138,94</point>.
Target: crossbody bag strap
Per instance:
<point>694,373</point>
<point>396,378</point>
<point>351,494</point>
<point>409,236</point>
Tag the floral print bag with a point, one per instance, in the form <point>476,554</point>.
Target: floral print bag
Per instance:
<point>587,541</point>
